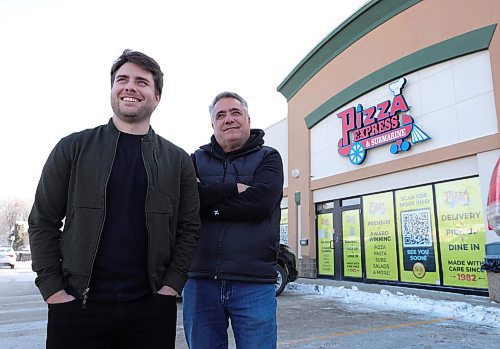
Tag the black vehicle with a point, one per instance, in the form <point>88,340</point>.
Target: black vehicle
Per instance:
<point>287,268</point>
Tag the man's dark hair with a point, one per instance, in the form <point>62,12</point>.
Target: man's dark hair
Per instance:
<point>142,60</point>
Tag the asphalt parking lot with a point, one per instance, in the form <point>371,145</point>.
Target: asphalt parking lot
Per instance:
<point>305,320</point>
<point>309,321</point>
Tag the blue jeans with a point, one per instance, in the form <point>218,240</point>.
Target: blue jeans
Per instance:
<point>209,304</point>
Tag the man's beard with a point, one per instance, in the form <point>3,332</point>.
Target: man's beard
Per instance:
<point>139,115</point>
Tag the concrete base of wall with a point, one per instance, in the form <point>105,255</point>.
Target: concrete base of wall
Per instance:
<point>494,286</point>
<point>307,267</point>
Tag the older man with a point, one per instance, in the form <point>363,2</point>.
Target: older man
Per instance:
<point>234,270</point>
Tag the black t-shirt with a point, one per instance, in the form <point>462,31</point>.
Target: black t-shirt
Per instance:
<point>120,271</point>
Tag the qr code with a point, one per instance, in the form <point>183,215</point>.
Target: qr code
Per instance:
<point>416,228</point>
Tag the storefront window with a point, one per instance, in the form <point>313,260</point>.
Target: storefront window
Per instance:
<point>351,233</point>
<point>326,206</point>
<point>380,237</point>
<point>461,233</point>
<point>325,244</point>
<point>284,226</point>
<point>417,235</point>
<point>350,202</point>
<point>433,234</point>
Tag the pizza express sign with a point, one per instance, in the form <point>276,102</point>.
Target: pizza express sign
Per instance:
<point>387,122</point>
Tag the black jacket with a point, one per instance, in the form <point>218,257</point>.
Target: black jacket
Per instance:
<point>239,237</point>
<point>73,187</point>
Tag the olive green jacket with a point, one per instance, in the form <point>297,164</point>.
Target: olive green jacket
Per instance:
<point>72,187</point>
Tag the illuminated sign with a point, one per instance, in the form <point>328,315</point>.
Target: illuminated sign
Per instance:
<point>387,122</point>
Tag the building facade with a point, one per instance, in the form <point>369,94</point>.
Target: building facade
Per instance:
<point>395,128</point>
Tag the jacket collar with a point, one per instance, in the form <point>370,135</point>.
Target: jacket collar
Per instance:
<point>113,130</point>
<point>255,141</point>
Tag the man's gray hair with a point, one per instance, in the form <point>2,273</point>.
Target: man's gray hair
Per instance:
<point>228,94</point>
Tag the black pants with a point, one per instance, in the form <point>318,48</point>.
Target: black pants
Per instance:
<point>149,322</point>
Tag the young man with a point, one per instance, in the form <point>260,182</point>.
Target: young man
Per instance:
<point>234,270</point>
<point>130,203</point>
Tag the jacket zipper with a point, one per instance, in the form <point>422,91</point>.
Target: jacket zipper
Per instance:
<point>221,234</point>
<point>224,165</point>
<point>219,252</point>
<point>85,293</point>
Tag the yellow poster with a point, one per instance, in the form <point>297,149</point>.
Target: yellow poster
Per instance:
<point>417,235</point>
<point>351,237</point>
<point>284,226</point>
<point>461,233</point>
<point>325,244</point>
<point>380,237</point>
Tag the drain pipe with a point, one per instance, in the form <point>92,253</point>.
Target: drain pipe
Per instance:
<point>299,224</point>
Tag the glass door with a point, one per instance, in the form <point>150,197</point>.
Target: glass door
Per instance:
<point>326,246</point>
<point>351,243</point>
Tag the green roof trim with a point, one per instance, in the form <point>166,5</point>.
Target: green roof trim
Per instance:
<point>470,42</point>
<point>367,18</point>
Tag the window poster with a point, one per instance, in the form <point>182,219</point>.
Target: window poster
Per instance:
<point>461,233</point>
<point>351,236</point>
<point>417,235</point>
<point>325,244</point>
<point>380,237</point>
<point>284,226</point>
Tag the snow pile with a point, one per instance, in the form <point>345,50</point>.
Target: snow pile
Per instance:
<point>388,301</point>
